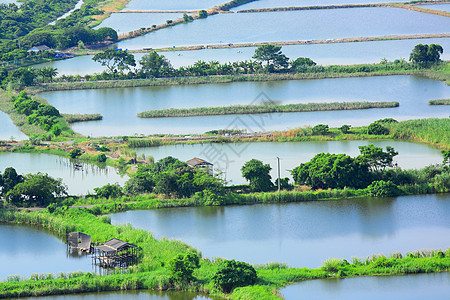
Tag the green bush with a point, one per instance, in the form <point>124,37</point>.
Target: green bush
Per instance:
<point>101,157</point>
<point>320,129</point>
<point>202,14</point>
<point>182,267</point>
<point>377,129</point>
<point>232,274</point>
<point>383,188</point>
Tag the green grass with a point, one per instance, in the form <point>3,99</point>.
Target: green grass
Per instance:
<point>265,108</point>
<point>72,118</point>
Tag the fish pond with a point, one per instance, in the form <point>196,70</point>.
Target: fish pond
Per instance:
<point>283,26</point>
<point>304,234</point>
<point>119,107</point>
<point>8,129</point>
<point>79,181</point>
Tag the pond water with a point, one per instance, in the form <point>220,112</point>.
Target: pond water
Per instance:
<point>78,181</point>
<point>134,295</point>
<point>172,4</point>
<point>229,158</point>
<point>304,234</point>
<point>444,7</point>
<point>323,54</point>
<point>407,287</point>
<point>283,26</point>
<point>8,129</point>
<point>126,22</point>
<point>26,250</point>
<point>288,3</point>
<point>120,106</point>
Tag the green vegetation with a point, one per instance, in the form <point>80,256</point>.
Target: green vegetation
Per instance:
<point>425,55</point>
<point>264,108</point>
<point>73,118</point>
<point>115,60</point>
<point>258,175</point>
<point>234,3</point>
<point>439,102</point>
<point>202,14</point>
<point>273,57</point>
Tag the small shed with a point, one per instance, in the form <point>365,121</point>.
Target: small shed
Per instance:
<point>115,253</point>
<point>79,241</point>
<point>198,163</point>
<point>39,48</point>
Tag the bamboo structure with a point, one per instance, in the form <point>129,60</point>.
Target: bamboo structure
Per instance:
<point>115,253</point>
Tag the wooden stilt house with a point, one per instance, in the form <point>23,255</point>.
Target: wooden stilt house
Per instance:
<point>80,241</point>
<point>115,253</point>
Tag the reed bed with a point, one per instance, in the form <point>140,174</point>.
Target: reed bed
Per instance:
<point>260,109</point>
<point>439,102</point>
<point>73,118</point>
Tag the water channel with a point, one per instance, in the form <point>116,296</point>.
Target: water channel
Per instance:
<point>408,287</point>
<point>79,182</point>
<point>443,7</point>
<point>8,129</point>
<point>304,234</point>
<point>283,26</point>
<point>229,158</point>
<point>322,54</point>
<point>289,3</point>
<point>120,106</point>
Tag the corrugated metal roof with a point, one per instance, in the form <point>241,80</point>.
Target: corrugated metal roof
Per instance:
<point>115,245</point>
<point>197,161</point>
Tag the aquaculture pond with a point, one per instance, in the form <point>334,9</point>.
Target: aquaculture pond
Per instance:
<point>407,287</point>
<point>172,4</point>
<point>304,234</point>
<point>130,295</point>
<point>126,22</point>
<point>229,158</point>
<point>290,3</point>
<point>79,180</point>
<point>444,7</point>
<point>323,54</point>
<point>27,250</point>
<point>8,129</point>
<point>283,26</point>
<point>120,106</point>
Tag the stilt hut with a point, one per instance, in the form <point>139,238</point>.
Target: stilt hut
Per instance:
<point>79,240</point>
<point>115,253</point>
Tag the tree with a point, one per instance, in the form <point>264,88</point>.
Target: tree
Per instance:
<point>425,55</point>
<point>166,183</point>
<point>36,190</point>
<point>232,274</point>
<point>320,129</point>
<point>75,153</point>
<point>376,128</point>
<point>115,60</point>
<point>301,64</point>
<point>383,189</point>
<point>345,129</point>
<point>446,156</point>
<point>258,175</point>
<point>272,56</point>
<point>202,14</point>
<point>10,179</point>
<point>327,170</point>
<point>376,158</point>
<point>155,65</point>
<point>109,191</point>
<point>182,267</point>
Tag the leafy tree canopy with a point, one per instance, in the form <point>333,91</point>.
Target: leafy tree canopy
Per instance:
<point>425,55</point>
<point>272,56</point>
<point>115,60</point>
<point>258,174</point>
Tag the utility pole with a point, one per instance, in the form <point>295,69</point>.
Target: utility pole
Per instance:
<point>279,183</point>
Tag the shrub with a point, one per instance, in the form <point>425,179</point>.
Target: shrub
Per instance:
<point>320,129</point>
<point>101,157</point>
<point>383,188</point>
<point>202,14</point>
<point>182,267</point>
<point>109,191</point>
<point>75,153</point>
<point>232,274</point>
<point>377,129</point>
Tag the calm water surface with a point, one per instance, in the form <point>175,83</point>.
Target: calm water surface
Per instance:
<point>120,106</point>
<point>304,234</point>
<point>408,287</point>
<point>288,3</point>
<point>283,26</point>
<point>444,7</point>
<point>229,158</point>
<point>135,295</point>
<point>172,4</point>
<point>27,250</point>
<point>126,22</point>
<point>78,182</point>
<point>8,129</point>
<point>323,54</point>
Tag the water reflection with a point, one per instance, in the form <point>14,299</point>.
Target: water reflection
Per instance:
<point>304,234</point>
<point>407,287</point>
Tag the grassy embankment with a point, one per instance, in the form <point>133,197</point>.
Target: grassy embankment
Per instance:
<point>150,273</point>
<point>439,102</point>
<point>264,108</point>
